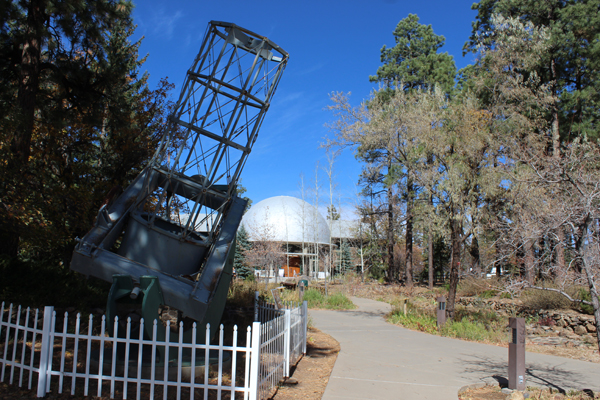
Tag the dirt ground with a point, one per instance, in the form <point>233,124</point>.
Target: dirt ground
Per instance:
<point>494,393</point>
<point>313,370</point>
<point>311,374</point>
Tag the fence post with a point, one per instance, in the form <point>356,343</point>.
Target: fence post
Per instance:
<point>45,351</point>
<point>256,306</point>
<point>286,339</point>
<point>304,325</point>
<point>255,361</point>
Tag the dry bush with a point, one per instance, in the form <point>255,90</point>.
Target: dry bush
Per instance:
<point>241,293</point>
<point>535,299</point>
<point>472,286</point>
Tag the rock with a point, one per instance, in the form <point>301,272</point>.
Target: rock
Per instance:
<point>568,330</point>
<point>580,330</point>
<point>506,391</point>
<point>516,395</point>
<point>561,322</point>
<point>590,328</point>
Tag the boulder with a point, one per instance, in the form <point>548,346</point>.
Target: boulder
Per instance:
<point>580,330</point>
<point>591,328</point>
<point>516,395</point>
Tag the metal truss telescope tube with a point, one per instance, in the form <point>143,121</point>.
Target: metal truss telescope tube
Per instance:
<point>177,221</point>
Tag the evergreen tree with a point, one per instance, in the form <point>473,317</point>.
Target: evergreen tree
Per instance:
<point>415,60</point>
<point>345,258</point>
<point>242,269</point>
<point>570,63</point>
<point>84,120</point>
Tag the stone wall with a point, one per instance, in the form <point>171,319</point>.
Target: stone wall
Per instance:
<point>569,320</point>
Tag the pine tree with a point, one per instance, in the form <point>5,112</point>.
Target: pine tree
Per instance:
<point>242,270</point>
<point>85,120</point>
<point>415,60</point>
<point>416,64</point>
<point>346,258</point>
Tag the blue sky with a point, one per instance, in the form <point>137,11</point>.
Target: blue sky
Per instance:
<point>333,46</point>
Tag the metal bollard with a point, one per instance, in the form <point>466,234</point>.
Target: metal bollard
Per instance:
<point>516,354</point>
<point>441,311</point>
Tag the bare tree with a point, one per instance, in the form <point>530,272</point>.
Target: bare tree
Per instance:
<point>266,252</point>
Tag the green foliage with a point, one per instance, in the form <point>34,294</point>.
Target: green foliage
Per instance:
<point>313,297</point>
<point>441,257</point>
<point>335,301</point>
<point>584,294</point>
<point>242,269</point>
<point>416,318</point>
<point>414,60</point>
<point>486,294</point>
<point>481,326</point>
<point>570,62</point>
<point>332,213</point>
<point>94,123</point>
<point>338,301</point>
<point>346,258</point>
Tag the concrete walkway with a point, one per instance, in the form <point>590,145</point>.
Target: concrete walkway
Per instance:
<point>383,361</point>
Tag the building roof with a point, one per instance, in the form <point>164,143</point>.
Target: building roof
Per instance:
<point>286,219</point>
<point>344,229</point>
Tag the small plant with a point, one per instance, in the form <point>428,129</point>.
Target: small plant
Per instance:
<point>487,294</point>
<point>584,294</point>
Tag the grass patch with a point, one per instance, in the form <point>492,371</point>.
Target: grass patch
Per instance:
<point>414,320</point>
<point>335,301</point>
<point>479,326</point>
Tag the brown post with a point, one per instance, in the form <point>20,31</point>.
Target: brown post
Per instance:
<point>301,291</point>
<point>441,311</point>
<point>516,354</point>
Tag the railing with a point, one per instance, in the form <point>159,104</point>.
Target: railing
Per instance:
<point>283,341</point>
<point>82,359</point>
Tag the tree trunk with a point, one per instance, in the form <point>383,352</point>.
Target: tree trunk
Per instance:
<point>529,262</point>
<point>454,260</point>
<point>409,233</point>
<point>474,252</point>
<point>392,273</point>
<point>430,259</point>
<point>587,256</point>
<point>29,82</point>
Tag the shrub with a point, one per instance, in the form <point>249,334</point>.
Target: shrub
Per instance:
<point>536,299</point>
<point>241,293</point>
<point>313,297</point>
<point>471,286</point>
<point>339,301</point>
<point>584,294</point>
<point>415,318</point>
<point>486,294</point>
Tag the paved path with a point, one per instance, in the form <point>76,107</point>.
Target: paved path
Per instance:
<point>383,361</point>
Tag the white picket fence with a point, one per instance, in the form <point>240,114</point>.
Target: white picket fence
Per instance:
<point>283,341</point>
<point>82,359</point>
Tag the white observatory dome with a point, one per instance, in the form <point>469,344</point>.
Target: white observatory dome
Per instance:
<point>286,219</point>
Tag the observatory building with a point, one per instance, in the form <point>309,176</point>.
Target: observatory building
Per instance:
<point>300,228</point>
